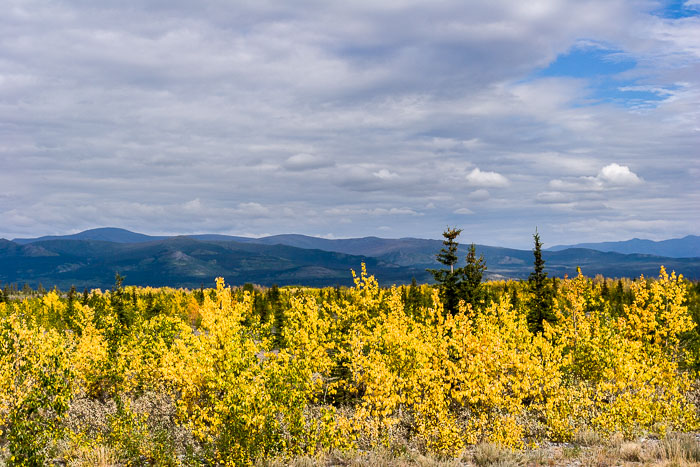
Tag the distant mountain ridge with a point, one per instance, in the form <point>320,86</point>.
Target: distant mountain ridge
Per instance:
<point>103,234</point>
<point>686,247</point>
<point>91,259</point>
<point>183,262</point>
<point>349,246</point>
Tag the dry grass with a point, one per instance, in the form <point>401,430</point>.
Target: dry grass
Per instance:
<point>586,437</point>
<point>375,458</point>
<point>100,456</point>
<point>493,454</point>
<point>157,437</point>
<point>631,452</point>
<point>588,449</point>
<point>681,448</point>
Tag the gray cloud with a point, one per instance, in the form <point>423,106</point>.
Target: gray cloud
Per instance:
<point>304,161</point>
<point>329,119</point>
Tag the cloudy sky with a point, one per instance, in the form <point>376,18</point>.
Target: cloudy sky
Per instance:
<point>391,118</point>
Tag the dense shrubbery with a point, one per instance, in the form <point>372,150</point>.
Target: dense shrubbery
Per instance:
<point>232,375</point>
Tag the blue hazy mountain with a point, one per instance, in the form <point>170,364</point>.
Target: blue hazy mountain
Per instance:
<point>104,234</point>
<point>686,247</point>
<point>184,262</point>
<point>93,257</point>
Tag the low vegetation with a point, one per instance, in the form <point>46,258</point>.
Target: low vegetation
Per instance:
<point>351,376</point>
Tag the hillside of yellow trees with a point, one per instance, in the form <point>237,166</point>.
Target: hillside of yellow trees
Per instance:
<point>234,376</point>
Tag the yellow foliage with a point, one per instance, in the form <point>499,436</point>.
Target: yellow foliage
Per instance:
<point>90,358</point>
<point>358,371</point>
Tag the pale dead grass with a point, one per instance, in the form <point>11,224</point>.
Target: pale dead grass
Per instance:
<point>375,458</point>
<point>677,449</point>
<point>100,456</point>
<point>631,452</point>
<point>586,437</point>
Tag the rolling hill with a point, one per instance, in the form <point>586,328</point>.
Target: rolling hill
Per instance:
<point>92,258</point>
<point>183,262</point>
<point>686,247</point>
<point>104,234</point>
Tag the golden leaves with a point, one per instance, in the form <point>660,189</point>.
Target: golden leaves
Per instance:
<point>354,368</point>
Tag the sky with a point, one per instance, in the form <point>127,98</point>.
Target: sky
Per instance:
<point>393,118</point>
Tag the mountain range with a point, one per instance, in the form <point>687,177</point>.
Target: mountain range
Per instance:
<point>686,247</point>
<point>93,257</point>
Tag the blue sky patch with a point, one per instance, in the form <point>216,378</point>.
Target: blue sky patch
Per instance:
<point>589,62</point>
<point>628,94</point>
<point>602,68</point>
<point>675,9</point>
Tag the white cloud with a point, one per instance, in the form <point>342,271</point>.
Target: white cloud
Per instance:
<point>571,197</point>
<point>385,174</point>
<point>577,184</point>
<point>612,176</point>
<point>615,174</point>
<point>553,197</point>
<point>486,179</point>
<point>265,117</point>
<point>253,209</point>
<point>479,195</point>
<point>463,211</point>
<point>193,205</point>
<point>349,211</point>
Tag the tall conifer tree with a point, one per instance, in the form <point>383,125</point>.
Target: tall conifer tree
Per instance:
<point>448,280</point>
<point>541,303</point>
<point>472,274</point>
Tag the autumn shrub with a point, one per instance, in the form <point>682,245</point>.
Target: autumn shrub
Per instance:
<point>364,369</point>
<point>35,388</point>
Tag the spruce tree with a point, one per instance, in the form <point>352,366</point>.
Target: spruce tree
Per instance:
<point>279,320</point>
<point>119,304</point>
<point>448,254</point>
<point>472,291</point>
<point>541,292</point>
<point>69,318</point>
<point>448,280</point>
<point>413,297</point>
<point>514,299</point>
